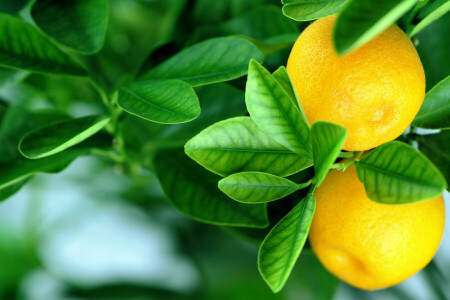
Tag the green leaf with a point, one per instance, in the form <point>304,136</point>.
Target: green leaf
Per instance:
<point>15,170</point>
<point>22,46</point>
<point>362,20</point>
<point>58,136</point>
<point>166,102</point>
<point>10,76</point>
<point>306,10</point>
<point>238,145</point>
<point>282,77</point>
<point>272,109</point>
<point>327,140</point>
<point>218,102</point>
<point>10,190</point>
<point>432,11</point>
<point>396,173</point>
<point>193,191</point>
<point>256,187</point>
<point>435,147</point>
<point>210,61</point>
<point>435,110</point>
<point>79,25</point>
<point>282,246</point>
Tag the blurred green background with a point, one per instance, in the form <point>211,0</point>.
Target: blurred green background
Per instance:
<point>92,232</point>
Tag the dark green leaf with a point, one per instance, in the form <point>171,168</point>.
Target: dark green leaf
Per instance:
<point>167,102</point>
<point>435,110</point>
<point>211,61</point>
<point>362,20</point>
<point>327,140</point>
<point>396,173</point>
<point>58,136</point>
<point>238,145</point>
<point>10,76</point>
<point>272,109</point>
<point>12,189</point>
<point>15,170</point>
<point>79,25</point>
<point>432,11</point>
<point>193,191</point>
<point>282,246</point>
<point>12,7</point>
<point>306,10</point>
<point>22,46</point>
<point>435,147</point>
<point>256,187</point>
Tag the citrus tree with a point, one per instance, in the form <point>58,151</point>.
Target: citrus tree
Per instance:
<point>277,121</point>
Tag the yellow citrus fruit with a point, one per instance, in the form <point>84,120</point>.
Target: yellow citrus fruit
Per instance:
<point>375,91</point>
<point>371,245</point>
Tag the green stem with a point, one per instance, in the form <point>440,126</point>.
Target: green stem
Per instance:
<point>346,154</point>
<point>343,166</point>
<point>109,154</point>
<point>101,92</point>
<point>303,185</point>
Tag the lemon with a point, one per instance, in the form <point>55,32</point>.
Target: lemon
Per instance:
<point>374,92</point>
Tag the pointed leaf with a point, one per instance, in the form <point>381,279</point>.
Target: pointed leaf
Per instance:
<point>58,136</point>
<point>272,109</point>
<point>80,25</point>
<point>166,102</point>
<point>207,62</point>
<point>282,77</point>
<point>362,20</point>
<point>432,11</point>
<point>306,10</point>
<point>435,147</point>
<point>327,140</point>
<point>238,145</point>
<point>396,173</point>
<point>282,246</point>
<point>256,187</point>
<point>435,110</point>
<point>193,191</point>
<point>22,46</point>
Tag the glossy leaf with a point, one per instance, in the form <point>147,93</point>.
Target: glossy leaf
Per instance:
<point>306,10</point>
<point>256,187</point>
<point>22,46</point>
<point>282,246</point>
<point>166,102</point>
<point>207,62</point>
<point>13,188</point>
<point>58,136</point>
<point>282,77</point>
<point>327,140</point>
<point>79,25</point>
<point>193,191</point>
<point>272,109</point>
<point>396,173</point>
<point>435,147</point>
<point>435,110</point>
<point>432,11</point>
<point>238,145</point>
<point>362,20</point>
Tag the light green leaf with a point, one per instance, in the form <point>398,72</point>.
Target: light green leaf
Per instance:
<point>238,145</point>
<point>432,11</point>
<point>435,110</point>
<point>362,20</point>
<point>272,109</point>
<point>396,173</point>
<point>256,187</point>
<point>327,140</point>
<point>15,170</point>
<point>282,77</point>
<point>22,46</point>
<point>306,10</point>
<point>435,147</point>
<point>166,102</point>
<point>210,61</point>
<point>58,136</point>
<point>193,191</point>
<point>282,246</point>
<point>79,25</point>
